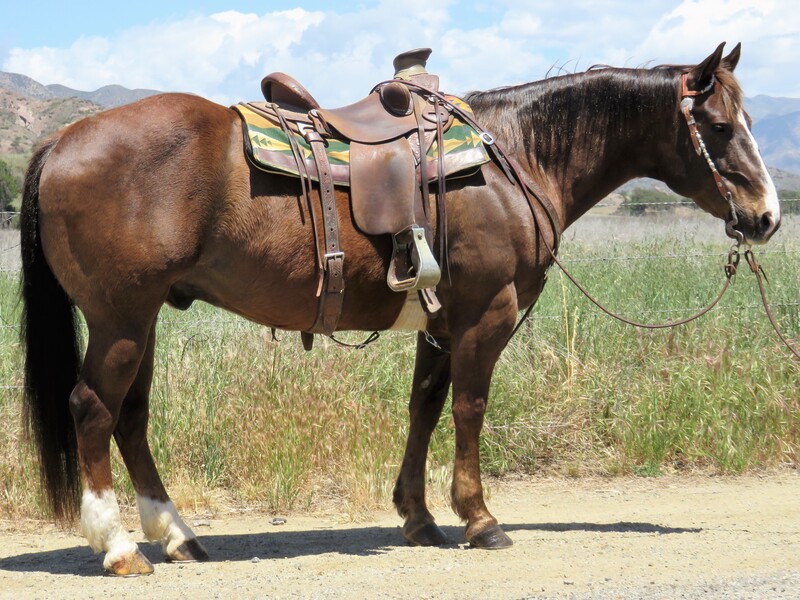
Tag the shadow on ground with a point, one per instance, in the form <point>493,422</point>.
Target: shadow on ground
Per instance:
<point>361,541</point>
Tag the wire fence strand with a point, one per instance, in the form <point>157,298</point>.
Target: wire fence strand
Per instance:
<point>7,217</point>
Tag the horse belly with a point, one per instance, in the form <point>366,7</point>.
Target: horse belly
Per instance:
<point>269,274</point>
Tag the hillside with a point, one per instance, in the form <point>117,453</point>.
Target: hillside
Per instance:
<point>30,111</point>
<point>24,120</point>
<point>779,140</point>
<point>760,107</point>
<point>107,96</point>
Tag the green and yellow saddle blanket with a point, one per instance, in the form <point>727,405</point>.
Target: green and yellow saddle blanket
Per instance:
<point>270,149</point>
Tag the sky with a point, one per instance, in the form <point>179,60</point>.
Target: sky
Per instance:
<point>339,50</point>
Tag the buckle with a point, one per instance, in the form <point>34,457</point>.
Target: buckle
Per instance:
<point>335,272</point>
<point>487,138</point>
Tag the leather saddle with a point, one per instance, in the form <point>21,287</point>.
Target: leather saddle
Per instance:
<point>389,134</point>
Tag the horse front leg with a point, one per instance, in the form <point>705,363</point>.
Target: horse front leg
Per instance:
<point>160,520</point>
<point>428,393</point>
<point>477,344</point>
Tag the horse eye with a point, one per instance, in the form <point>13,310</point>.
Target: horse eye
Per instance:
<point>720,127</point>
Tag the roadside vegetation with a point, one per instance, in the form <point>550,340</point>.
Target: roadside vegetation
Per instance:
<point>238,418</point>
<point>10,188</point>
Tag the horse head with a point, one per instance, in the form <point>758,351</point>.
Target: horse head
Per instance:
<point>719,164</point>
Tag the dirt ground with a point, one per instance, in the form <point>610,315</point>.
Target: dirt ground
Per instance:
<point>670,537</point>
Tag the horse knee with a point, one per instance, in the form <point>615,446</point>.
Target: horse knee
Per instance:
<point>469,409</point>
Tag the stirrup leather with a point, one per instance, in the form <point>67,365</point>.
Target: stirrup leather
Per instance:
<point>413,266</point>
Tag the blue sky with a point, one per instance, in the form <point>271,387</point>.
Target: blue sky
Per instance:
<point>221,49</point>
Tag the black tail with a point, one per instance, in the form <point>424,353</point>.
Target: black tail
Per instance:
<point>50,337</point>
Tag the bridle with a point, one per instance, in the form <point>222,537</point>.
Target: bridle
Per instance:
<point>687,103</point>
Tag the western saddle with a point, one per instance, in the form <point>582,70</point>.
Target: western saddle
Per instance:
<point>389,133</point>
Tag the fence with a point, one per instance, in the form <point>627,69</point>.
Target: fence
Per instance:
<point>9,263</point>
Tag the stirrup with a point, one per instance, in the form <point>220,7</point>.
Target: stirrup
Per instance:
<point>413,266</point>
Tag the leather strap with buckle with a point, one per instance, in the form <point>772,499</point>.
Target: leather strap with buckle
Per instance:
<point>331,285</point>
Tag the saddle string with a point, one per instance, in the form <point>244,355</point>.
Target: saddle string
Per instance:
<point>360,345</point>
<point>305,184</point>
<point>441,191</point>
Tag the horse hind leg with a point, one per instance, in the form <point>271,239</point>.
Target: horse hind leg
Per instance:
<point>112,360</point>
<point>159,517</point>
<point>428,394</point>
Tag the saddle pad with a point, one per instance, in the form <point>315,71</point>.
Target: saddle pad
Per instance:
<point>269,148</point>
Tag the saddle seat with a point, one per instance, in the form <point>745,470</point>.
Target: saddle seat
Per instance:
<point>384,115</point>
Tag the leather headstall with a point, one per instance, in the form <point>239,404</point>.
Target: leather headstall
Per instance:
<point>687,104</point>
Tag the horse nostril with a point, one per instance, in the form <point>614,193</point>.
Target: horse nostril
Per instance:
<point>766,225</point>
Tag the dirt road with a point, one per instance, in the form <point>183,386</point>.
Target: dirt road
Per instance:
<point>671,537</point>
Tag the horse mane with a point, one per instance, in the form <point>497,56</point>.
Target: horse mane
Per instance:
<point>551,117</point>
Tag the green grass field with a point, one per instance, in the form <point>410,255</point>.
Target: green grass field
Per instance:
<point>237,418</point>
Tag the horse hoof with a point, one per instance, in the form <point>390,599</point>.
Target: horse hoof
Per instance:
<point>131,565</point>
<point>492,538</point>
<point>188,551</point>
<point>427,534</point>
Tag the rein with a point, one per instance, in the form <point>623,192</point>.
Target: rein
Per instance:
<point>534,195</point>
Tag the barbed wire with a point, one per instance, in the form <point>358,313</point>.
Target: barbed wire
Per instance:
<point>567,258</point>
<point>189,323</point>
<point>241,322</point>
<point>675,203</point>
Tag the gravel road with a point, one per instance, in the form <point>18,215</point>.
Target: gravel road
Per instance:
<point>670,537</point>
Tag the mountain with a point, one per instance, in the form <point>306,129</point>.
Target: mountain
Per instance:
<point>785,180</point>
<point>779,140</point>
<point>30,111</point>
<point>22,84</point>
<point>760,107</point>
<point>107,96</point>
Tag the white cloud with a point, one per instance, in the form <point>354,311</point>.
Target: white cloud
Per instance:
<point>768,29</point>
<point>191,55</point>
<point>477,44</point>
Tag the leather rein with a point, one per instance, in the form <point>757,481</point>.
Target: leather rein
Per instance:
<point>535,196</point>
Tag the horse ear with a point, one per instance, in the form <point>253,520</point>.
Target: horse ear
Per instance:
<point>700,76</point>
<point>730,61</point>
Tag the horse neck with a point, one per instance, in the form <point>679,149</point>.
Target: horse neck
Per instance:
<point>584,135</point>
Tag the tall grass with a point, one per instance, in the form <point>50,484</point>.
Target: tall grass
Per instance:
<point>238,418</point>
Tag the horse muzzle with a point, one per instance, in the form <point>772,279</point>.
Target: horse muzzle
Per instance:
<point>752,229</point>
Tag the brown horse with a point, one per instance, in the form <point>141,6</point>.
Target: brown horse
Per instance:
<point>155,202</point>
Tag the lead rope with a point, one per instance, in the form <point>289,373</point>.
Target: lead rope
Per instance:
<point>758,271</point>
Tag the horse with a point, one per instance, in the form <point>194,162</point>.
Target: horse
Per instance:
<point>155,202</point>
